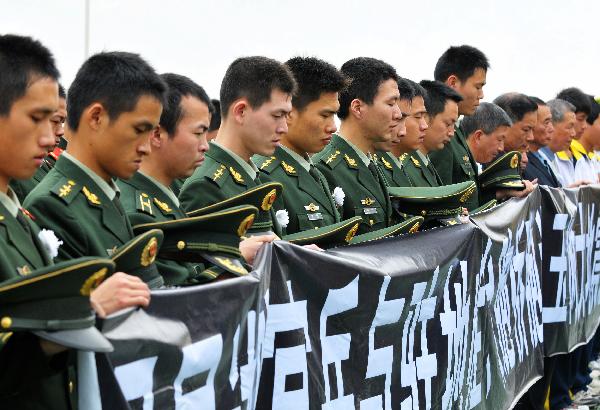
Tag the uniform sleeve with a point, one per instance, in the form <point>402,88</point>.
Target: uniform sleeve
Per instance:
<point>443,160</point>
<point>51,213</point>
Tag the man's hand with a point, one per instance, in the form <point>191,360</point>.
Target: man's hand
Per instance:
<point>118,292</point>
<point>313,247</point>
<point>250,246</point>
<point>502,194</point>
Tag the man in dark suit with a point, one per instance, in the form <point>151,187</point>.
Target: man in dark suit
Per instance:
<point>538,167</point>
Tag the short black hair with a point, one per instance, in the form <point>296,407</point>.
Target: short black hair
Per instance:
<point>215,118</point>
<point>115,79</point>
<point>487,117</point>
<point>22,60</point>
<point>365,75</point>
<point>437,95</point>
<point>254,78</point>
<point>461,61</point>
<point>594,110</point>
<point>313,77</point>
<point>578,98</point>
<point>537,100</point>
<point>418,89</point>
<point>516,105</point>
<point>407,91</point>
<point>179,86</point>
<point>61,91</point>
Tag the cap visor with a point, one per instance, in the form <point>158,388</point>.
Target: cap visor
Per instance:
<point>89,339</point>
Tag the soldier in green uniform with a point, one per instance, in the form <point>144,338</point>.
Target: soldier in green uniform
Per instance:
<point>28,77</point>
<point>441,103</point>
<point>178,148</point>
<point>23,187</point>
<point>391,156</point>
<point>307,198</point>
<point>255,99</point>
<point>369,114</point>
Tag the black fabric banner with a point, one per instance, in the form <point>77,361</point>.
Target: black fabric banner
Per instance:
<point>449,318</point>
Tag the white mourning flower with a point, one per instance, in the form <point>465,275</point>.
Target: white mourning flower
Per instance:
<point>50,241</point>
<point>338,196</point>
<point>282,217</point>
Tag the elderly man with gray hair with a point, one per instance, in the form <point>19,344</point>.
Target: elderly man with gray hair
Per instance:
<point>563,119</point>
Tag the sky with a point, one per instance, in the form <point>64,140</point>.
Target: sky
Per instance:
<point>535,47</point>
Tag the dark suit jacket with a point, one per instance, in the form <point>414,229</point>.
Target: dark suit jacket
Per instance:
<point>537,169</point>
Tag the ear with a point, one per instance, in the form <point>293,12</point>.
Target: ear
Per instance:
<point>239,110</point>
<point>157,136</point>
<point>95,116</point>
<point>452,81</point>
<point>357,108</point>
<point>478,136</point>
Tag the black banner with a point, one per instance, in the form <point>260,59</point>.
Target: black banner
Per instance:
<point>449,318</point>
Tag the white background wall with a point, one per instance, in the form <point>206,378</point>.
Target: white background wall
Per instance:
<point>534,46</point>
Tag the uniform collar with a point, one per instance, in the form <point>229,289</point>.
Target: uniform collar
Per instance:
<point>164,189</point>
<point>10,202</point>
<point>249,167</point>
<point>304,163</point>
<point>110,189</point>
<point>364,158</point>
<point>396,160</point>
<point>424,158</point>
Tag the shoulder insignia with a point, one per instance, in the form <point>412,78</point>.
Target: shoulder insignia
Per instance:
<point>218,173</point>
<point>66,190</point>
<point>237,177</point>
<point>288,168</point>
<point>386,163</point>
<point>351,161</point>
<point>143,203</point>
<point>267,162</point>
<point>91,197</point>
<point>416,162</point>
<point>162,206</point>
<point>332,157</point>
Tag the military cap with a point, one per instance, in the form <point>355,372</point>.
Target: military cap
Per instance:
<point>432,202</point>
<point>503,173</point>
<point>328,236</point>
<point>484,207</point>
<point>54,303</point>
<point>410,225</point>
<point>137,257</point>
<point>212,238</point>
<point>262,197</point>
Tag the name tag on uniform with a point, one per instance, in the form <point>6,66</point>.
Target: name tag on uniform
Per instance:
<point>315,217</point>
<point>369,211</point>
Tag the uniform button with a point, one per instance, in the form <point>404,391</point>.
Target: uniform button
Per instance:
<point>180,245</point>
<point>371,222</point>
<point>6,322</point>
<point>71,386</point>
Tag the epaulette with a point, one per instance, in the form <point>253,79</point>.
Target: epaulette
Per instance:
<point>385,162</point>
<point>267,164</point>
<point>143,203</point>
<point>332,159</point>
<point>66,190</point>
<point>218,174</point>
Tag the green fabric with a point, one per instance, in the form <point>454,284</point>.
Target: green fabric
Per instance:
<point>109,189</point>
<point>246,166</point>
<point>71,204</point>
<point>300,191</point>
<point>419,174</point>
<point>393,170</point>
<point>455,163</point>
<point>218,178</point>
<point>366,193</point>
<point>138,212</point>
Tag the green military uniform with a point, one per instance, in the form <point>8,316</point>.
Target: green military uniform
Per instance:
<point>82,209</point>
<point>146,200</point>
<point>363,183</point>
<point>46,382</point>
<point>420,170</point>
<point>306,194</point>
<point>222,175</point>
<point>393,169</point>
<point>455,163</point>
